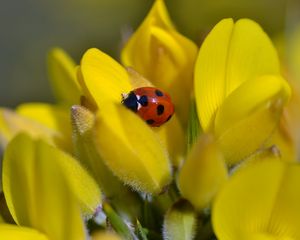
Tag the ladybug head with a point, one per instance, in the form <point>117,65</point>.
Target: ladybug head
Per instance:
<point>130,101</point>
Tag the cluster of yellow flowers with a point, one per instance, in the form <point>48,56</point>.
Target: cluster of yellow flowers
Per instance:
<point>225,166</point>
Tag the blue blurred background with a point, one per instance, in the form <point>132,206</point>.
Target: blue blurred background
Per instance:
<point>29,28</point>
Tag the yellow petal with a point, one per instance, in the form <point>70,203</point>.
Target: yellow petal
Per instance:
<point>158,15</point>
<point>105,236</point>
<point>131,149</point>
<point>174,139</point>
<point>260,200</point>
<point>13,232</point>
<point>12,123</point>
<point>162,55</point>
<point>292,117</point>
<point>79,181</point>
<point>51,116</point>
<point>269,153</point>
<point>103,78</point>
<point>123,200</point>
<point>61,69</point>
<point>250,96</point>
<point>264,236</point>
<point>36,189</point>
<point>284,141</point>
<point>249,115</point>
<point>230,55</point>
<point>137,80</point>
<point>158,37</point>
<point>203,173</point>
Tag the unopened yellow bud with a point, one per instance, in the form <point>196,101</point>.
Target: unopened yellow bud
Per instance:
<point>180,221</point>
<point>203,173</point>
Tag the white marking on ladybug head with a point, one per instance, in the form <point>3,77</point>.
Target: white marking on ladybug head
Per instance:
<point>124,95</point>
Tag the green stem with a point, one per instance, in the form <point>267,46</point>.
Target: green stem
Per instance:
<point>117,222</point>
<point>140,231</point>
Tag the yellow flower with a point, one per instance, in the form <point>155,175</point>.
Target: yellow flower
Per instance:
<point>261,201</point>
<point>120,197</point>
<point>239,91</point>
<point>164,56</point>
<point>127,145</point>
<point>39,120</point>
<point>44,187</point>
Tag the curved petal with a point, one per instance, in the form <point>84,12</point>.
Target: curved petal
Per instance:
<point>36,189</point>
<point>131,149</point>
<point>13,232</point>
<point>249,115</point>
<point>259,200</point>
<point>51,116</point>
<point>157,36</point>
<point>249,97</point>
<point>158,16</point>
<point>203,173</point>
<point>230,55</point>
<point>173,138</point>
<point>12,123</point>
<point>292,115</point>
<point>103,78</point>
<point>137,80</point>
<point>284,141</point>
<point>62,74</point>
<point>23,166</point>
<point>124,201</point>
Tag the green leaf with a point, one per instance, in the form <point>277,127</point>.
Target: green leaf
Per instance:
<point>140,231</point>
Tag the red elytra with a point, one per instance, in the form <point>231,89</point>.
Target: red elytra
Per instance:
<point>151,104</point>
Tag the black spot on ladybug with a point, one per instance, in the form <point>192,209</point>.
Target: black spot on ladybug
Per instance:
<point>160,109</point>
<point>169,118</point>
<point>143,100</point>
<point>150,121</point>
<point>158,93</point>
<point>131,101</point>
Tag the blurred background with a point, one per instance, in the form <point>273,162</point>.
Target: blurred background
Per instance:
<point>29,28</point>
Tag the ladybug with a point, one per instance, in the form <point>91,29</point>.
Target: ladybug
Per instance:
<point>151,104</point>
